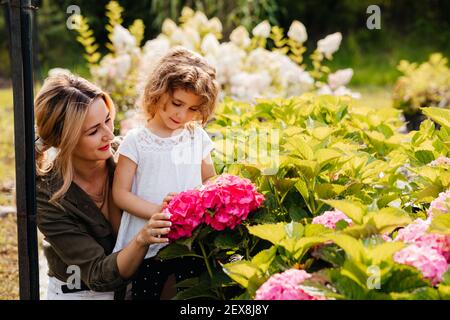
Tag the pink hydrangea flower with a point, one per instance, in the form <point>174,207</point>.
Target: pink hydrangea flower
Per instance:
<point>286,286</point>
<point>412,232</point>
<point>416,233</point>
<point>440,203</point>
<point>330,218</point>
<point>222,203</point>
<point>228,200</point>
<point>431,263</point>
<point>441,161</point>
<point>186,212</point>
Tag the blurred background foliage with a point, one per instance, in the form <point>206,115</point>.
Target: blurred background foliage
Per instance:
<point>410,30</point>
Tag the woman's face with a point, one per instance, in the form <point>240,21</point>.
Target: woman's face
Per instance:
<point>181,107</point>
<point>97,133</point>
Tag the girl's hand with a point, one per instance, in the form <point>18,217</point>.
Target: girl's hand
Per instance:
<point>168,198</point>
<point>153,232</point>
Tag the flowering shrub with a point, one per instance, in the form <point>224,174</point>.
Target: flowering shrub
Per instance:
<point>424,85</point>
<point>228,200</point>
<point>246,68</point>
<point>222,203</point>
<point>441,203</point>
<point>186,214</point>
<point>428,261</point>
<point>375,225</point>
<point>286,286</point>
<point>329,219</point>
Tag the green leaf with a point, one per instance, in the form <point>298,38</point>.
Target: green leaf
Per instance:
<point>316,230</point>
<point>403,278</point>
<point>264,258</point>
<point>352,247</point>
<point>297,213</point>
<point>201,290</point>
<point>353,210</point>
<point>308,168</point>
<point>331,254</point>
<point>227,240</point>
<point>383,252</point>
<point>300,147</point>
<point>325,156</point>
<point>176,250</point>
<point>240,271</point>
<point>424,156</point>
<point>387,220</point>
<point>303,189</point>
<point>329,190</point>
<point>294,230</point>
<point>439,115</point>
<point>270,232</point>
<point>418,294</point>
<point>440,224</point>
<point>300,247</point>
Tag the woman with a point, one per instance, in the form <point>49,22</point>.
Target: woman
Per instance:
<point>75,211</point>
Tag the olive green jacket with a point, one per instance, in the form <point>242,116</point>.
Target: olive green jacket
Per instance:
<point>78,234</point>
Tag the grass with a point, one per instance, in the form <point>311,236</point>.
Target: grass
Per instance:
<point>7,172</point>
<point>9,270</point>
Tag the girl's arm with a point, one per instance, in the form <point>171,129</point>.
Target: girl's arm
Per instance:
<point>122,195</point>
<point>208,170</point>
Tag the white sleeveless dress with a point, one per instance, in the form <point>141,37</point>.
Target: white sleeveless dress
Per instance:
<point>164,165</point>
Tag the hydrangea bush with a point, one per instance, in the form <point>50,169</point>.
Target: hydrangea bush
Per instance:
<point>247,67</point>
<point>420,86</point>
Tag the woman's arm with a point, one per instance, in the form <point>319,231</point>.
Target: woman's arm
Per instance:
<point>122,195</point>
<point>208,170</point>
<point>100,272</point>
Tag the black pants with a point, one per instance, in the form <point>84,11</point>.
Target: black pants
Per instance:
<point>151,276</point>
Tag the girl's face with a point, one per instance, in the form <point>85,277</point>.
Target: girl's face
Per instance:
<point>97,133</point>
<point>181,107</point>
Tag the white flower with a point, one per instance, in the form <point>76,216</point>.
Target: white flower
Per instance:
<point>228,61</point>
<point>199,19</point>
<point>56,71</point>
<point>330,44</point>
<point>297,32</point>
<point>340,78</point>
<point>240,37</point>
<point>122,40</point>
<point>187,37</point>
<point>168,27</point>
<point>210,44</point>
<point>340,91</point>
<point>158,46</point>
<point>441,161</point>
<point>187,12</point>
<point>247,86</point>
<point>343,91</point>
<point>214,25</point>
<point>123,63</point>
<point>193,38</point>
<point>262,30</point>
<point>152,51</point>
<point>325,90</point>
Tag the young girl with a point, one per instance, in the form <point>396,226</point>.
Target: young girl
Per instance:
<point>170,154</point>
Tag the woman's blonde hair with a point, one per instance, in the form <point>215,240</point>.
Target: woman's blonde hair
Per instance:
<point>60,110</point>
<point>183,69</point>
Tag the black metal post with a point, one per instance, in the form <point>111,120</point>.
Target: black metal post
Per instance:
<point>20,14</point>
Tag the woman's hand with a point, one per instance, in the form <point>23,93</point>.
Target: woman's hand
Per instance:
<point>168,198</point>
<point>130,258</point>
<point>153,232</point>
